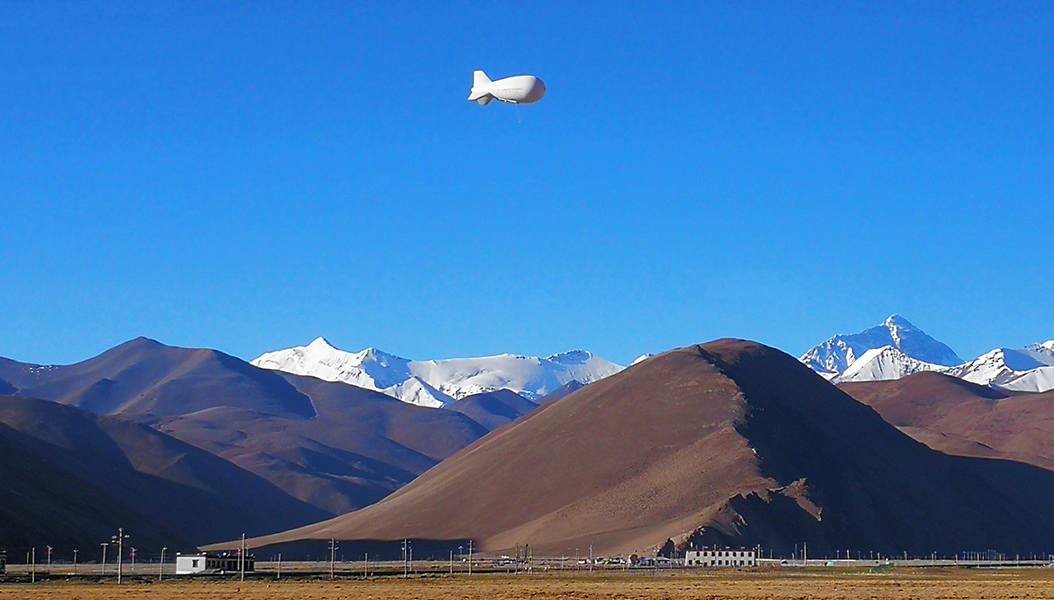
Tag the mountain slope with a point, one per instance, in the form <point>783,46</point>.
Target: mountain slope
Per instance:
<point>133,476</point>
<point>40,503</point>
<point>962,418</point>
<point>730,443</point>
<point>335,446</point>
<point>438,383</point>
<point>495,409</point>
<point>834,356</point>
<point>361,445</point>
<point>884,363</point>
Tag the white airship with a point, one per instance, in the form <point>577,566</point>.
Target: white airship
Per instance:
<point>521,89</point>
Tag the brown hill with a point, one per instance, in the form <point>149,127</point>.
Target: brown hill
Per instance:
<point>495,409</point>
<point>143,378</point>
<point>332,445</point>
<point>730,442</point>
<point>71,478</point>
<point>361,446</point>
<point>958,417</point>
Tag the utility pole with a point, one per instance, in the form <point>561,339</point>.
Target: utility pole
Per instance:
<point>75,551</point>
<point>332,557</point>
<point>49,559</point>
<point>591,559</point>
<point>33,566</point>
<point>104,545</point>
<point>405,567</point>
<point>133,561</point>
<point>241,562</point>
<point>279,565</point>
<point>470,557</point>
<point>366,566</point>
<point>451,562</point>
<point>119,539</point>
<point>161,569</point>
<point>805,554</point>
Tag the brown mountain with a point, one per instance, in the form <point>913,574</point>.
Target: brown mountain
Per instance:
<point>70,478</point>
<point>143,378</point>
<point>731,442</point>
<point>332,445</point>
<point>361,445</point>
<point>495,409</point>
<point>565,390</point>
<point>958,417</point>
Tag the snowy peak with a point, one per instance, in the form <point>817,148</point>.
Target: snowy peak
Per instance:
<point>438,383</point>
<point>908,350</point>
<point>834,356</point>
<point>320,343</point>
<point>879,364</point>
<point>371,369</point>
<point>572,357</point>
<point>1029,369</point>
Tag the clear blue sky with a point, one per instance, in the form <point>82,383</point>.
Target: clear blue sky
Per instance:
<point>250,175</point>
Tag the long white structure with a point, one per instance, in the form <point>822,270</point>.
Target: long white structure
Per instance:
<point>720,558</point>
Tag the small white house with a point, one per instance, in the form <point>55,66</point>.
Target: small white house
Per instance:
<point>188,564</point>
<point>720,558</point>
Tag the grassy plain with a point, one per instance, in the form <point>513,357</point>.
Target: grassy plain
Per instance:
<point>942,584</point>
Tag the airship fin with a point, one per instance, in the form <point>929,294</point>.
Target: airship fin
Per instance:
<point>479,92</point>
<point>485,100</point>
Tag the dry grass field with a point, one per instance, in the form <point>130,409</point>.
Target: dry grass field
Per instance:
<point>950,584</point>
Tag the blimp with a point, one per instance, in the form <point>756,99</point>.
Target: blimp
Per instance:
<point>521,89</point>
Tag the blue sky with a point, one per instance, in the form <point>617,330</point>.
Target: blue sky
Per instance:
<point>250,175</point>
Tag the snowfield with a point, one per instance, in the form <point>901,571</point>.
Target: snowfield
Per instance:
<point>439,383</point>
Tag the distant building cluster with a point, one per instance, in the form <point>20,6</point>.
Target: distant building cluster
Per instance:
<point>720,558</point>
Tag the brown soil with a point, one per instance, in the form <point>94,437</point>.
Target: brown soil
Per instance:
<point>943,584</point>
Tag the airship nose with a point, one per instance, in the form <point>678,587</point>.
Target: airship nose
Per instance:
<point>537,90</point>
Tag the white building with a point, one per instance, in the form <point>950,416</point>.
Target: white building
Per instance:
<point>720,558</point>
<point>190,564</point>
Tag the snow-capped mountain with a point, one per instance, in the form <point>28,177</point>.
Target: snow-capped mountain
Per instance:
<point>371,369</point>
<point>834,356</point>
<point>1028,369</point>
<point>438,383</point>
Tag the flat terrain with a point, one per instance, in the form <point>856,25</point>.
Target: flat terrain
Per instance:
<point>933,584</point>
